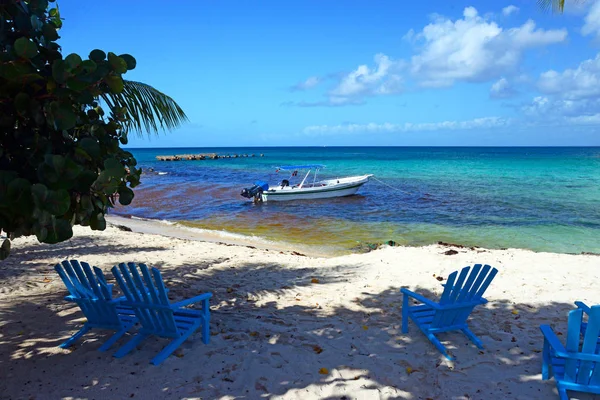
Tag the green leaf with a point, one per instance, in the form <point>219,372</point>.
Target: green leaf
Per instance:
<point>90,146</point>
<point>25,48</point>
<point>85,180</point>
<point>58,231</point>
<point>117,63</point>
<point>49,32</point>
<point>40,193</point>
<point>97,222</point>
<point>125,195</point>
<point>147,109</point>
<point>73,61</point>
<point>19,190</point>
<point>88,66</point>
<point>5,249</point>
<point>76,84</point>
<point>114,168</point>
<point>129,60</point>
<point>64,117</point>
<point>58,202</point>
<point>53,12</point>
<point>115,83</point>
<point>97,55</point>
<point>22,102</point>
<point>59,71</point>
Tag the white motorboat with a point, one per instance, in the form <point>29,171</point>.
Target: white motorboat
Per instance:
<point>305,190</point>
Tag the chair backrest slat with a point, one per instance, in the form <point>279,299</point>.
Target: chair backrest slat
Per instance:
<point>148,298</point>
<point>467,289</point>
<point>158,288</point>
<point>147,291</point>
<point>87,293</point>
<point>455,291</point>
<point>590,346</point>
<point>572,345</point>
<point>478,283</point>
<point>125,282</point>
<point>485,284</point>
<point>104,288</point>
<point>469,284</point>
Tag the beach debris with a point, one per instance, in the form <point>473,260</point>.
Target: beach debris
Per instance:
<point>229,290</point>
<point>122,227</point>
<point>410,370</point>
<point>324,371</point>
<point>298,254</point>
<point>314,280</point>
<point>317,349</point>
<point>460,246</point>
<point>366,328</point>
<point>450,252</point>
<point>439,278</point>
<point>260,386</point>
<point>253,334</point>
<point>515,312</point>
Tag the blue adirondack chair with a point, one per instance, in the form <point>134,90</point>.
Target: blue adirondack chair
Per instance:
<point>586,309</point>
<point>574,367</point>
<point>147,295</point>
<point>93,295</point>
<point>459,298</point>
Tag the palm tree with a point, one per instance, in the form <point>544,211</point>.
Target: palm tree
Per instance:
<point>147,109</point>
<point>556,5</point>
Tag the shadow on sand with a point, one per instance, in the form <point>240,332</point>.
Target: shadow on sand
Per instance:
<point>265,348</point>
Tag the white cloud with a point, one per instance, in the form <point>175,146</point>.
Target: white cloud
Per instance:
<point>506,11</point>
<point>309,83</point>
<point>474,49</point>
<point>579,83</point>
<point>502,89</point>
<point>591,24</point>
<point>365,81</point>
<point>478,123</point>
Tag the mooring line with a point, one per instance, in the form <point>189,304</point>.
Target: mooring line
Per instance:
<point>391,187</point>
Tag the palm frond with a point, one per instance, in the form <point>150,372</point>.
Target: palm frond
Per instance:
<point>148,110</point>
<point>556,5</point>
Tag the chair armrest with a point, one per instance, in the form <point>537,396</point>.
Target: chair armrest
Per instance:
<point>420,298</point>
<point>183,303</point>
<point>118,300</point>
<point>559,349</point>
<point>586,309</point>
<point>70,298</point>
<point>552,339</point>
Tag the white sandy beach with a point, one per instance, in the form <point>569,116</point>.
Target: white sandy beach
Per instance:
<point>287,326</point>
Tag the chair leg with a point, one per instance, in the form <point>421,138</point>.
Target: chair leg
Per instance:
<point>170,348</point>
<point>562,392</point>
<point>436,342</point>
<point>546,361</point>
<point>206,331</point>
<point>113,339</point>
<point>75,337</point>
<point>405,314</point>
<point>130,345</point>
<point>473,338</point>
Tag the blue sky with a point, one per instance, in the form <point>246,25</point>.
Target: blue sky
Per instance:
<point>277,73</point>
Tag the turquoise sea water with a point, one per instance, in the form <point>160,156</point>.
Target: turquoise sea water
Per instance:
<point>543,199</point>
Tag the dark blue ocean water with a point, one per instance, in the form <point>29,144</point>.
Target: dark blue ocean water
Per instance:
<point>543,199</point>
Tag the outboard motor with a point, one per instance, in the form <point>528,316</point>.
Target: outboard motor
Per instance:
<point>256,190</point>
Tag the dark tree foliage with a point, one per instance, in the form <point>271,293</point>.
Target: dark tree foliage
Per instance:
<point>61,163</point>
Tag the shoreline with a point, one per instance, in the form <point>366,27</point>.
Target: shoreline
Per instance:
<point>176,230</point>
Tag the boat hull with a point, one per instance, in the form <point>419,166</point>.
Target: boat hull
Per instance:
<point>325,192</point>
